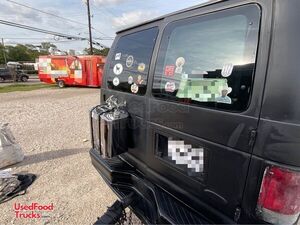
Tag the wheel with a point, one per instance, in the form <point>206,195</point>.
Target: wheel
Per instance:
<point>24,79</point>
<point>61,84</point>
<point>2,79</point>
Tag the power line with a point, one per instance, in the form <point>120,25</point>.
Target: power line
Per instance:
<point>51,14</point>
<point>22,26</point>
<point>48,38</point>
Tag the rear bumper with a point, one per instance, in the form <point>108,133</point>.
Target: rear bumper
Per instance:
<point>153,205</point>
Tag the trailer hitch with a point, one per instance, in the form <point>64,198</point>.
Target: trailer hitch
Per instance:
<point>115,212</point>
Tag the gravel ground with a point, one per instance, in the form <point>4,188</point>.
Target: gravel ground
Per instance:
<point>52,127</point>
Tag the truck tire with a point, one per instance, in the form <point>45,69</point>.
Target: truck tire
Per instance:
<point>61,84</point>
<point>24,78</point>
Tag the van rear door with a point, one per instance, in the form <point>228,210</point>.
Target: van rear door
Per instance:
<point>205,103</point>
<point>193,83</point>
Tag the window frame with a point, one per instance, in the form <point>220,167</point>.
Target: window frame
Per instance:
<point>164,33</point>
<point>114,51</point>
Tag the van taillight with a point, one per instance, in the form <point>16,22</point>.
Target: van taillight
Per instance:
<point>279,198</point>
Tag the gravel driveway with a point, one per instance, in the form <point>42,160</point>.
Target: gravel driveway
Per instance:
<point>51,125</point>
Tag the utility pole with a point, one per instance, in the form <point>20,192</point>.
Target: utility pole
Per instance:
<point>4,55</point>
<point>90,27</point>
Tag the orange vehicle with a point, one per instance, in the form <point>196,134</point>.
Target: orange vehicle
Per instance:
<point>72,70</point>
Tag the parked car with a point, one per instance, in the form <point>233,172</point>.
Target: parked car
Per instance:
<point>6,74</point>
<point>213,129</point>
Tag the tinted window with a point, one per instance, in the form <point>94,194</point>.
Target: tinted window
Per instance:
<point>129,67</point>
<point>209,60</point>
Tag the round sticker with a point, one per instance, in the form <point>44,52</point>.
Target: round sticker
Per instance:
<point>116,81</point>
<point>134,88</point>
<point>118,69</point>
<point>129,61</point>
<point>130,80</point>
<point>170,87</point>
<point>141,67</point>
<point>180,62</point>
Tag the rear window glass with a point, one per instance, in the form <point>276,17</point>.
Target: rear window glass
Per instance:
<point>209,60</point>
<point>129,67</point>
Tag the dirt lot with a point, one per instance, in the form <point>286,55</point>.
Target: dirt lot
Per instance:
<point>51,125</point>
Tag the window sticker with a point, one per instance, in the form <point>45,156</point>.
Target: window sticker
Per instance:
<point>179,64</point>
<point>170,70</point>
<point>141,67</point>
<point>224,98</point>
<point>118,69</point>
<point>227,70</point>
<point>118,56</point>
<point>129,61</point>
<point>170,87</point>
<point>134,88</point>
<point>116,81</point>
<point>184,154</point>
<point>130,80</point>
<point>139,79</point>
<point>204,90</point>
<point>184,76</point>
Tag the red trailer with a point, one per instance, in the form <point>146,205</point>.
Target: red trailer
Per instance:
<point>72,70</point>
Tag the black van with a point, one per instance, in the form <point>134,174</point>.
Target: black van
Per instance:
<point>213,109</point>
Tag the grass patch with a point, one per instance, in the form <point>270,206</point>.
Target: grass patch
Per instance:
<point>24,87</point>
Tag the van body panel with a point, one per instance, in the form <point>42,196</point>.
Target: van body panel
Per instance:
<point>228,146</point>
<point>279,129</point>
<point>237,145</point>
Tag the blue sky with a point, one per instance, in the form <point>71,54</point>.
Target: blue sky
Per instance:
<point>108,16</point>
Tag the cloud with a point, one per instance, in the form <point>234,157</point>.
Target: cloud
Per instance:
<point>18,14</point>
<point>131,18</point>
<point>107,2</point>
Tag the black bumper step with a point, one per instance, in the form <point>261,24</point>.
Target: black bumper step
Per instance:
<point>153,205</point>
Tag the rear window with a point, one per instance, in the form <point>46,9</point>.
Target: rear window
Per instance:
<point>129,67</point>
<point>209,60</point>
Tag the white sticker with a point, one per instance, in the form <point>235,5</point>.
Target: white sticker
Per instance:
<point>170,87</point>
<point>118,69</point>
<point>134,88</point>
<point>179,64</point>
<point>184,76</point>
<point>116,81</point>
<point>224,92</point>
<point>129,61</point>
<point>130,80</point>
<point>118,56</point>
<point>178,70</point>
<point>227,70</point>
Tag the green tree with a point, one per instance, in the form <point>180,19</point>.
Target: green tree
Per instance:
<point>25,52</point>
<point>2,49</point>
<point>46,45</point>
<point>96,51</point>
<point>18,53</point>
